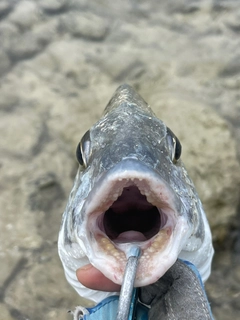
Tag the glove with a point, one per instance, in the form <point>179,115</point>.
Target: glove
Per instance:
<point>178,295</point>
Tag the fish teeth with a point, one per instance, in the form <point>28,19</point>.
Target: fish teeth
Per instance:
<point>108,247</point>
<point>149,199</point>
<point>155,244</point>
<point>104,240</point>
<point>115,196</point>
<point>151,249</point>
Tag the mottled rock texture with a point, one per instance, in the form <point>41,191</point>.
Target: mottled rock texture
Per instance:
<point>60,62</point>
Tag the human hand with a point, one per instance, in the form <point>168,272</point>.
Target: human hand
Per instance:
<point>92,278</point>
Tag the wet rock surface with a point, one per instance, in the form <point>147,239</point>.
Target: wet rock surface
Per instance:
<point>60,62</point>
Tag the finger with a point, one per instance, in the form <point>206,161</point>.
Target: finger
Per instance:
<point>92,278</point>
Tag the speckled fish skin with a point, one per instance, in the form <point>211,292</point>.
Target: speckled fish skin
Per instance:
<point>129,166</point>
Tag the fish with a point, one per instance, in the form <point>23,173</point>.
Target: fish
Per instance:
<point>132,188</point>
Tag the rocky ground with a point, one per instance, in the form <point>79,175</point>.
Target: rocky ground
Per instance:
<point>60,62</point>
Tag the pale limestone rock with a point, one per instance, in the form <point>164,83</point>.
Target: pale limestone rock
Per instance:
<point>5,314</point>
<point>25,14</point>
<point>4,62</point>
<point>86,25</point>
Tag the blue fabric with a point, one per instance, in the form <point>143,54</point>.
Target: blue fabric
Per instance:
<point>107,310</point>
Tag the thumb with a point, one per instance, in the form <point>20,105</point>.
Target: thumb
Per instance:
<point>92,278</point>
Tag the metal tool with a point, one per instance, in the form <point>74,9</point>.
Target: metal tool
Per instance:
<point>128,295</point>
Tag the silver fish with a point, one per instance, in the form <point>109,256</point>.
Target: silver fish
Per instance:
<point>132,187</point>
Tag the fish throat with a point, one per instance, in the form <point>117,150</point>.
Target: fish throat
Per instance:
<point>131,218</point>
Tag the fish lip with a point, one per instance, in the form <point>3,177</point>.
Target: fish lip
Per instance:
<point>106,190</point>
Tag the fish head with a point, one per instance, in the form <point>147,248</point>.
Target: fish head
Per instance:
<point>132,188</point>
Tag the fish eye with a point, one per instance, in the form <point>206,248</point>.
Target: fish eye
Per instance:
<point>176,147</point>
<point>83,151</point>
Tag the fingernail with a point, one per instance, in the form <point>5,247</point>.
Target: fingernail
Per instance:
<point>86,267</point>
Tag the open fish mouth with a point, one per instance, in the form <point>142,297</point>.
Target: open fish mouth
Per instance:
<point>132,218</point>
<point>133,206</point>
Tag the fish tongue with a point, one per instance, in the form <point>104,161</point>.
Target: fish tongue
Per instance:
<point>130,236</point>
